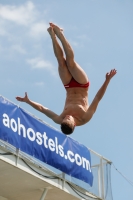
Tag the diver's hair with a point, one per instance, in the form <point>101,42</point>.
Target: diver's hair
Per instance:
<point>67,129</point>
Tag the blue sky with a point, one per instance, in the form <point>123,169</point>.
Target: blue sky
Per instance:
<point>100,33</point>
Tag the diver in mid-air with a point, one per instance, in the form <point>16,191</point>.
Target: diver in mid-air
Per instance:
<point>76,111</point>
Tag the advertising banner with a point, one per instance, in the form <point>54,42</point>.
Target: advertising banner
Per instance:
<point>43,142</point>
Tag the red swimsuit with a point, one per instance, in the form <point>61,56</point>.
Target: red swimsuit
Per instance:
<point>74,83</point>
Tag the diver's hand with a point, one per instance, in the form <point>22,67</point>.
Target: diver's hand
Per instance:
<point>111,74</point>
<point>23,99</point>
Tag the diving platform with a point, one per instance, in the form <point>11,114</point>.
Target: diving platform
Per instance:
<point>37,162</point>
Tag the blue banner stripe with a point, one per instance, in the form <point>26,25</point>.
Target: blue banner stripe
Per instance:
<point>37,139</point>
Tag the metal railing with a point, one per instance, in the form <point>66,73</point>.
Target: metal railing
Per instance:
<point>99,166</point>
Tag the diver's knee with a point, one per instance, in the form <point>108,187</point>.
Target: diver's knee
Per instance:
<point>62,62</point>
<point>70,63</point>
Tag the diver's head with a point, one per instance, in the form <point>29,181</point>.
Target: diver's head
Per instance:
<point>68,125</point>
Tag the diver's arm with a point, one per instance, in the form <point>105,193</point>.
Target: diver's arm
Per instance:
<point>40,108</point>
<point>91,110</point>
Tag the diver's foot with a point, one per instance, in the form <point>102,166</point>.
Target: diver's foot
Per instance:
<point>58,31</point>
<point>51,31</point>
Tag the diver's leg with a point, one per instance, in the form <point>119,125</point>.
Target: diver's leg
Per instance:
<point>63,70</point>
<point>76,71</point>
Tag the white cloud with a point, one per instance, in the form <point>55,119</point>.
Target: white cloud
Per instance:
<point>24,14</point>
<point>18,49</point>
<point>38,29</point>
<point>83,37</point>
<point>74,43</point>
<point>20,26</point>
<point>24,18</point>
<point>3,31</point>
<point>80,40</point>
<point>39,83</point>
<point>39,63</point>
